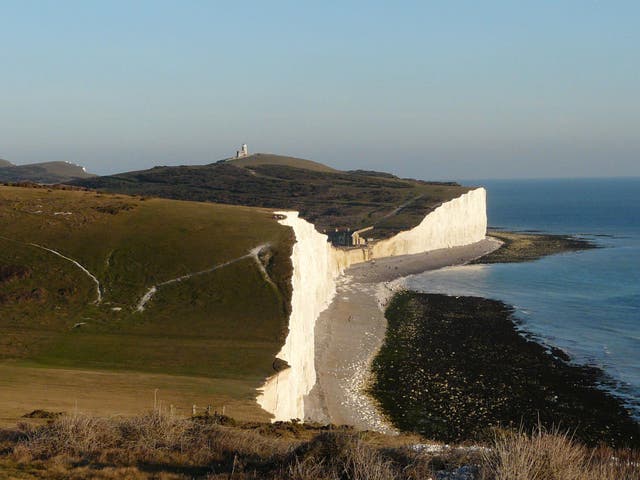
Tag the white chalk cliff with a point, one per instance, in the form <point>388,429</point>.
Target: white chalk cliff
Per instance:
<point>316,266</point>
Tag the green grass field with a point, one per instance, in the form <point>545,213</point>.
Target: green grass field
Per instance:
<point>224,325</point>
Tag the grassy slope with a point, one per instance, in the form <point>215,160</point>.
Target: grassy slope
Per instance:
<point>202,327</point>
<point>270,159</point>
<point>329,199</point>
<point>5,163</point>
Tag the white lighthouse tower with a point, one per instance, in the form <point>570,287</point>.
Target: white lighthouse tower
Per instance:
<point>243,152</point>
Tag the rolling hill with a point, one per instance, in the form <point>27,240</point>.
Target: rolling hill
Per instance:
<point>329,198</point>
<point>258,159</point>
<point>5,163</point>
<point>47,172</point>
<point>104,298</point>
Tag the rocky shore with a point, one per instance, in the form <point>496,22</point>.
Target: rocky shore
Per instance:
<point>528,246</point>
<point>453,368</point>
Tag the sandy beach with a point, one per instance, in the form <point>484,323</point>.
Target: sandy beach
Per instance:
<point>351,330</point>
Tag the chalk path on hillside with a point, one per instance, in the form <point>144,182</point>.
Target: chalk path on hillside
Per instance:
<point>350,332</point>
<point>81,267</point>
<point>253,253</point>
<point>93,278</point>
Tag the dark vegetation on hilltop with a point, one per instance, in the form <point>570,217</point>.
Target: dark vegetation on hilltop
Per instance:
<point>453,367</point>
<point>328,198</point>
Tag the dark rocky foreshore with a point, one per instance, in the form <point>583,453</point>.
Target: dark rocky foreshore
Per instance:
<point>451,368</point>
<point>527,246</point>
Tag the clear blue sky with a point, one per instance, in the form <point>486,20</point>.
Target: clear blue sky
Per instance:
<point>446,89</point>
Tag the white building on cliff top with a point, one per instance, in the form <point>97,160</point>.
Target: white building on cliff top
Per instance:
<point>243,152</point>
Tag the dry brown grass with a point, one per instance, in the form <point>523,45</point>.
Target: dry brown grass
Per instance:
<point>339,455</point>
<point>151,442</point>
<point>554,455</point>
<point>159,445</point>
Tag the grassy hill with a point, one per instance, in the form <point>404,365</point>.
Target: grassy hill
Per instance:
<point>258,159</point>
<point>5,163</point>
<point>47,172</point>
<point>198,338</point>
<point>329,198</point>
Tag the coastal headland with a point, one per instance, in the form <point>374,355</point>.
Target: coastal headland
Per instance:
<point>327,300</point>
<point>317,269</point>
<point>131,291</point>
<point>108,340</point>
<point>352,329</point>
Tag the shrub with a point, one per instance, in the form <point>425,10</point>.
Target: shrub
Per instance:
<point>554,455</point>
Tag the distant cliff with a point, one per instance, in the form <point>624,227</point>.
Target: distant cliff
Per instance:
<point>47,172</point>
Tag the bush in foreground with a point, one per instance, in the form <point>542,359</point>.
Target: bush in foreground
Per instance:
<point>554,455</point>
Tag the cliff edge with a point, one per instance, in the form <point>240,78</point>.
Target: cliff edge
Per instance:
<point>316,267</point>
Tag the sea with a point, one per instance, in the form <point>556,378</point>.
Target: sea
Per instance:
<point>588,302</point>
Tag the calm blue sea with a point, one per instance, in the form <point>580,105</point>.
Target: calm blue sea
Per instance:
<point>587,303</point>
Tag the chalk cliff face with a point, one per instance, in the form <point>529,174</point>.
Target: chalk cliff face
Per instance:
<point>316,265</point>
<point>460,221</point>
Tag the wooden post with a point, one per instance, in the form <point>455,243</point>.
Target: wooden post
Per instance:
<point>233,467</point>
<point>193,410</point>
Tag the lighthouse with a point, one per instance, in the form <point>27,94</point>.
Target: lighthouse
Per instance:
<point>243,152</point>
